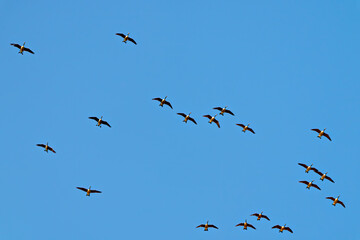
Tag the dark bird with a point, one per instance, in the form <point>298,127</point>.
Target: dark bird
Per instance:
<point>88,191</point>
<point>223,110</point>
<point>206,226</point>
<point>282,228</point>
<point>336,200</point>
<point>212,119</point>
<point>310,184</point>
<point>100,121</point>
<point>308,168</point>
<point>245,127</point>
<point>163,101</point>
<point>245,225</point>
<point>47,147</point>
<point>126,37</point>
<point>259,216</point>
<point>187,117</point>
<point>321,133</point>
<point>22,48</point>
<point>324,176</point>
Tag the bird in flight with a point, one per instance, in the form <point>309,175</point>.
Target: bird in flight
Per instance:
<point>336,200</point>
<point>324,176</point>
<point>187,117</point>
<point>310,184</point>
<point>223,110</point>
<point>245,225</point>
<point>163,101</point>
<point>207,226</point>
<point>88,191</point>
<point>308,168</point>
<point>100,121</point>
<point>46,147</point>
<point>126,38</point>
<point>321,133</point>
<point>245,127</point>
<point>259,216</point>
<point>282,228</point>
<point>22,48</point>
<point>212,119</point>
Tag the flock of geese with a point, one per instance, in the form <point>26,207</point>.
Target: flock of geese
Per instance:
<point>211,118</point>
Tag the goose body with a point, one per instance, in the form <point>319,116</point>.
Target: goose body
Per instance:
<point>324,176</point>
<point>321,133</point>
<point>223,110</point>
<point>46,147</point>
<point>22,48</point>
<point>245,128</point>
<point>245,225</point>
<point>99,121</point>
<point>310,184</point>
<point>336,201</point>
<point>282,228</point>
<point>88,191</point>
<point>187,117</point>
<point>207,226</point>
<point>212,119</point>
<point>307,168</point>
<point>163,101</point>
<point>126,38</point>
<point>260,215</point>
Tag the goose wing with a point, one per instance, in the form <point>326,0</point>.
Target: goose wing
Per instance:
<point>304,182</point>
<point>51,149</point>
<point>342,204</point>
<point>182,114</point>
<point>217,122</point>
<point>105,123</point>
<point>157,99</point>
<point>121,35</point>
<point>193,120</point>
<point>288,229</point>
<point>201,225</point>
<point>218,108</point>
<point>255,214</point>
<point>317,171</point>
<point>95,191</point>
<point>315,186</point>
<point>208,116</point>
<point>303,165</point>
<point>331,198</point>
<point>249,225</point>
<point>82,189</point>
<point>132,40</point>
<point>212,226</point>
<point>168,103</point>
<point>241,125</point>
<point>316,130</point>
<point>276,226</point>
<point>329,178</point>
<point>327,136</point>
<point>15,45</point>
<point>94,118</point>
<point>251,130</point>
<point>28,50</point>
<point>266,217</point>
<point>314,169</point>
<point>41,145</point>
<point>240,224</point>
<point>230,112</point>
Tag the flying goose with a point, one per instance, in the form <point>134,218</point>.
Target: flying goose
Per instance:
<point>47,147</point>
<point>187,117</point>
<point>245,225</point>
<point>100,121</point>
<point>310,184</point>
<point>206,226</point>
<point>88,191</point>
<point>321,133</point>
<point>22,48</point>
<point>126,37</point>
<point>245,127</point>
<point>163,101</point>
<point>212,119</point>
<point>336,200</point>
<point>223,110</point>
<point>259,216</point>
<point>308,168</point>
<point>324,176</point>
<point>282,228</point>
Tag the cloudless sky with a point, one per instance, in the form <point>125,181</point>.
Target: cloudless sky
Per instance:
<point>282,66</point>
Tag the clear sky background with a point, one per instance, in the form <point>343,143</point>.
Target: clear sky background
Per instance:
<point>283,66</point>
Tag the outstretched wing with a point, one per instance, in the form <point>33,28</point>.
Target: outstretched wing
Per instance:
<point>329,178</point>
<point>255,214</point>
<point>51,149</point>
<point>168,103</point>
<point>331,198</point>
<point>132,40</point>
<point>327,136</point>
<point>288,229</point>
<point>266,217</point>
<point>249,225</point>
<point>41,145</point>
<point>304,182</point>
<point>303,165</point>
<point>212,226</point>
<point>182,114</point>
<point>82,189</point>
<point>121,35</point>
<point>15,45</point>
<point>277,226</point>
<point>251,130</point>
<point>240,224</point>
<point>315,186</point>
<point>95,191</point>
<point>342,204</point>
<point>230,112</point>
<point>94,118</point>
<point>314,169</point>
<point>105,123</point>
<point>317,171</point>
<point>241,125</point>
<point>193,120</point>
<point>157,99</point>
<point>28,50</point>
<point>201,225</point>
<point>217,123</point>
<point>218,108</point>
<point>316,130</point>
<point>208,116</point>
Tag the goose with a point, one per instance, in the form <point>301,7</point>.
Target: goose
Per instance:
<point>282,228</point>
<point>336,200</point>
<point>100,121</point>
<point>47,147</point>
<point>88,191</point>
<point>126,37</point>
<point>207,226</point>
<point>212,119</point>
<point>163,101</point>
<point>259,216</point>
<point>223,110</point>
<point>321,133</point>
<point>308,168</point>
<point>187,117</point>
<point>324,176</point>
<point>246,225</point>
<point>22,48</point>
<point>310,184</point>
<point>245,127</point>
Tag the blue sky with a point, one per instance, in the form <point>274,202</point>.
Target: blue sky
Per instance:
<point>283,66</point>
